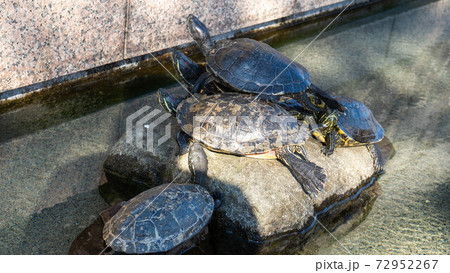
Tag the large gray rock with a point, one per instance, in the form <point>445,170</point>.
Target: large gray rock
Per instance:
<point>264,208</point>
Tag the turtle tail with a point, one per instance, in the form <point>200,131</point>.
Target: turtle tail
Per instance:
<point>310,176</point>
<point>329,100</point>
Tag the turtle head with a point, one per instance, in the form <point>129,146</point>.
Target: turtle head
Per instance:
<point>168,102</point>
<point>200,34</point>
<point>187,70</point>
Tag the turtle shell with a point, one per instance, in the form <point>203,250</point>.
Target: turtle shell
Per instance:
<point>358,122</point>
<point>237,124</point>
<point>159,219</point>
<point>251,66</point>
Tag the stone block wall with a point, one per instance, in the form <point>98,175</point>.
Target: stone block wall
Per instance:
<point>42,40</point>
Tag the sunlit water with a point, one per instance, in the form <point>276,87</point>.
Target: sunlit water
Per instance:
<point>396,62</point>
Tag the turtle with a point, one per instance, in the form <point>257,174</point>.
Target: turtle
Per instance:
<point>250,66</point>
<point>165,218</point>
<point>237,124</point>
<point>189,71</point>
<point>356,126</point>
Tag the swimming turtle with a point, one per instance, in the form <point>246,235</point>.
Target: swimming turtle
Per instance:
<point>165,217</point>
<point>234,123</point>
<point>250,66</point>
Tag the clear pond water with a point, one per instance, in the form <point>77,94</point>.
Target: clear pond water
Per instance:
<point>396,62</point>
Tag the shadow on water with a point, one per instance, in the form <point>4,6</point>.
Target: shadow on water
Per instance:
<point>52,230</point>
<point>70,203</point>
<point>438,202</point>
<point>59,106</point>
<point>227,237</point>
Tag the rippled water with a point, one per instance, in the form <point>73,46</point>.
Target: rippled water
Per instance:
<point>396,62</point>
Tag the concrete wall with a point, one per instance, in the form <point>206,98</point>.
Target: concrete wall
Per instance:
<point>42,40</point>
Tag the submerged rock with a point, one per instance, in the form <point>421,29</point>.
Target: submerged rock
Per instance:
<point>264,208</point>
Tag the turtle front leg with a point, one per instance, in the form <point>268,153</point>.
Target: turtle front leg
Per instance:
<point>330,143</point>
<point>218,199</point>
<point>184,141</point>
<point>330,123</point>
<point>198,164</point>
<point>202,81</point>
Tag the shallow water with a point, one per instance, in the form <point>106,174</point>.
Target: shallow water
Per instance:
<point>396,62</point>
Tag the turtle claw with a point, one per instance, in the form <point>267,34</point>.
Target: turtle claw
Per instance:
<point>218,199</point>
<point>326,151</point>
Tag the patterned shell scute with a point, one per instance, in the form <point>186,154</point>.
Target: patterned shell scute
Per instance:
<point>358,122</point>
<point>237,124</point>
<point>159,219</point>
<point>254,67</point>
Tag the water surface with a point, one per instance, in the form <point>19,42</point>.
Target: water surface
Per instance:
<point>396,62</point>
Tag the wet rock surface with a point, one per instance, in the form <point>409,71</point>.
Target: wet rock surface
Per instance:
<point>264,208</point>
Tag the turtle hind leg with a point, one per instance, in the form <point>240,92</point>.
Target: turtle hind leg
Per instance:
<point>310,176</point>
<point>198,164</point>
<point>376,156</point>
<point>329,100</point>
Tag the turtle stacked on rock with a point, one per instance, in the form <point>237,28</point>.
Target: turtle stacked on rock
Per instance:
<point>237,124</point>
<point>249,66</point>
<point>253,102</point>
<point>356,126</point>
